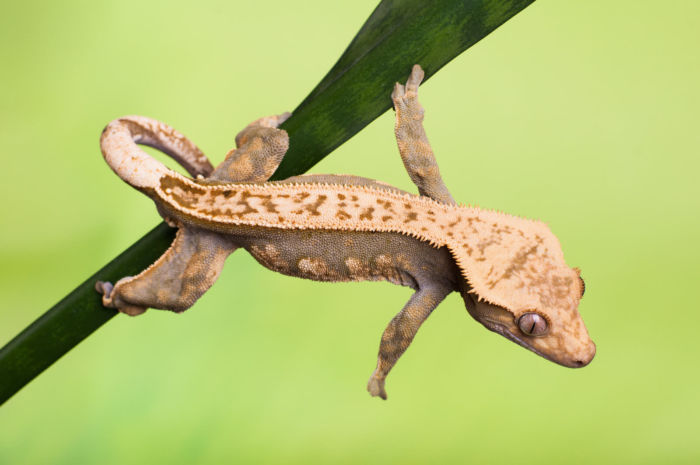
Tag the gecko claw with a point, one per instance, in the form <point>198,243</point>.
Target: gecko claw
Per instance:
<point>375,386</point>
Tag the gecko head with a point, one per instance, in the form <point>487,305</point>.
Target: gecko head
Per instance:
<point>556,333</point>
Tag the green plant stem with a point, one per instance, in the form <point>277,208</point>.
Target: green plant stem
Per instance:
<point>398,34</point>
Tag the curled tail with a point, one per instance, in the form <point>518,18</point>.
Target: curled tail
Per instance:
<point>136,167</point>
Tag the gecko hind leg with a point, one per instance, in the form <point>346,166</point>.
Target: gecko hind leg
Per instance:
<point>260,149</point>
<point>176,280</point>
<point>415,150</point>
<point>401,331</point>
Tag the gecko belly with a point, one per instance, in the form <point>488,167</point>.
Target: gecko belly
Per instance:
<point>324,255</point>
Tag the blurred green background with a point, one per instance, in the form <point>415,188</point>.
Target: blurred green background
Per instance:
<point>580,113</point>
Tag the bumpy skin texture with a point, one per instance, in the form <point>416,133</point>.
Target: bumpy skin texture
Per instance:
<point>510,271</point>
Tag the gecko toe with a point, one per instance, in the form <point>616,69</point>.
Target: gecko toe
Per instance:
<point>414,79</point>
<point>104,287</point>
<point>132,310</point>
<point>282,118</point>
<point>398,93</point>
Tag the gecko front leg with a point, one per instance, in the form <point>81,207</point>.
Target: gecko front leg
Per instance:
<point>415,150</point>
<point>401,331</point>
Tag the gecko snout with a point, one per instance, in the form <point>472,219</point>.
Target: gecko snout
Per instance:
<point>584,360</point>
<point>578,358</point>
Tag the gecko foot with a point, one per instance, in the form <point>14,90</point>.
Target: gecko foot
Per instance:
<point>107,289</point>
<point>253,129</point>
<point>407,97</point>
<point>375,386</point>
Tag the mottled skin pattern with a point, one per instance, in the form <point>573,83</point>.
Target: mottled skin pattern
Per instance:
<point>510,271</point>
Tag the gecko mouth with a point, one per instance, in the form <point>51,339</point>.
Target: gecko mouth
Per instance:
<point>503,331</point>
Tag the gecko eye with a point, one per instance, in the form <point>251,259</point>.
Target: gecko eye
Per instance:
<point>532,324</point>
<point>583,286</point>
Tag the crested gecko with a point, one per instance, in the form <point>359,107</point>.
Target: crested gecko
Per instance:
<point>510,271</point>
